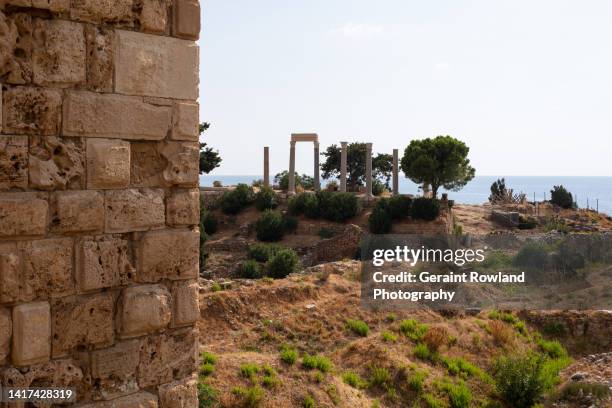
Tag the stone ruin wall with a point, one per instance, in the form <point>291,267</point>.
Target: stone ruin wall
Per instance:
<point>98,199</point>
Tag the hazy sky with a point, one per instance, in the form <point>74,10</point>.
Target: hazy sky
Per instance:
<point>526,84</point>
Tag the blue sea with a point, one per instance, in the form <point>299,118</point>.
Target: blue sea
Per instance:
<point>588,191</point>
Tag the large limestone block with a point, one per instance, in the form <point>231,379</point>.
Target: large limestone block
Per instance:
<point>139,400</point>
<point>169,254</point>
<point>84,322</point>
<point>31,334</point>
<point>145,309</point>
<point>114,117</point>
<point>32,111</point>
<point>182,168</point>
<point>114,369</point>
<point>59,53</point>
<point>78,211</point>
<point>185,309</point>
<point>186,19</point>
<point>186,121</point>
<point>22,214</point>
<point>118,12</point>
<point>134,210</point>
<point>56,163</point>
<point>156,66</point>
<point>102,264</point>
<point>13,161</point>
<point>10,274</point>
<point>179,394</point>
<point>47,269</point>
<point>108,163</point>
<point>6,330</point>
<point>183,207</point>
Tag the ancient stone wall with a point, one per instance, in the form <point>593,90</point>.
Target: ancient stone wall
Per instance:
<point>99,199</point>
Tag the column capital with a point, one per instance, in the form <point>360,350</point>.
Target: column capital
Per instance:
<point>316,144</point>
<point>368,145</point>
<point>292,143</point>
<point>343,144</point>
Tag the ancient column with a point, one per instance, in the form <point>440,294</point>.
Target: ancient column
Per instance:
<point>368,170</point>
<point>395,172</point>
<point>317,178</point>
<point>266,175</point>
<point>292,168</point>
<point>343,155</point>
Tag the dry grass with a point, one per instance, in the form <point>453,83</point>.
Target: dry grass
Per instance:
<point>435,338</point>
<point>502,333</point>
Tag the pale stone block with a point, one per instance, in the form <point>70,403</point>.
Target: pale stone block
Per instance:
<point>154,16</point>
<point>103,264</point>
<point>118,12</point>
<point>186,308</point>
<point>140,400</point>
<point>185,122</point>
<point>13,161</point>
<point>22,214</point>
<point>31,334</point>
<point>108,163</point>
<point>156,66</point>
<point>179,394</point>
<point>86,321</point>
<point>9,277</point>
<point>170,254</point>
<point>78,211</point>
<point>47,269</point>
<point>59,53</point>
<point>183,207</point>
<point>6,330</point>
<point>182,167</point>
<point>134,210</point>
<point>114,117</point>
<point>32,111</point>
<point>186,19</point>
<point>145,309</point>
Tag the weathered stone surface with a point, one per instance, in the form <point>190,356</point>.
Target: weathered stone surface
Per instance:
<point>171,254</point>
<point>186,19</point>
<point>185,121</point>
<point>144,309</point>
<point>85,321</point>
<point>156,66</point>
<point>6,330</point>
<point>154,16</point>
<point>9,277</point>
<point>139,400</point>
<point>167,356</point>
<point>59,53</point>
<point>78,211</point>
<point>117,12</point>
<point>114,369</point>
<point>15,48</point>
<point>146,165</point>
<point>134,210</point>
<point>47,269</point>
<point>56,163</point>
<point>179,394</point>
<point>52,5</point>
<point>100,53</point>
<point>31,334</point>
<point>185,309</point>
<point>22,214</point>
<point>108,163</point>
<point>114,117</point>
<point>32,111</point>
<point>13,161</point>
<point>103,264</point>
<point>183,207</point>
<point>182,168</point>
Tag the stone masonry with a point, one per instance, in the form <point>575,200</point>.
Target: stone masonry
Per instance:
<point>99,206</point>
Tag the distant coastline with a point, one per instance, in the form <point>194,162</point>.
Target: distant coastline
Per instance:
<point>586,189</point>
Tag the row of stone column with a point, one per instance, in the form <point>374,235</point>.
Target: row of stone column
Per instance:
<point>343,168</point>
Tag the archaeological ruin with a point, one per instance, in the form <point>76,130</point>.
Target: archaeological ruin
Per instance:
<point>99,206</point>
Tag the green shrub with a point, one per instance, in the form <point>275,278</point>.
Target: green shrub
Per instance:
<point>206,369</point>
<point>432,402</point>
<point>416,381</point>
<point>207,396</point>
<point>288,355</point>
<point>520,380</point>
<point>251,397</point>
<point>304,203</point>
<point>250,269</point>
<point>233,201</point>
<point>388,337</point>
<point>553,349</point>
<point>459,395</point>
<point>270,226</point>
<point>320,363</point>
<point>424,208</point>
<point>358,327</point>
<point>282,263</point>
<point>266,199</point>
<point>379,221</point>
<point>462,367</point>
<point>399,207</point>
<point>378,187</point>
<point>354,380</point>
<point>413,329</point>
<point>208,222</point>
<point>555,329</point>
<point>561,197</point>
<point>421,351</point>
<point>340,207</point>
<point>208,358</point>
<point>379,377</point>
<point>309,402</point>
<point>290,223</point>
<point>532,255</point>
<point>216,287</point>
<point>249,370</point>
<point>270,378</point>
<point>262,252</point>
<point>527,223</point>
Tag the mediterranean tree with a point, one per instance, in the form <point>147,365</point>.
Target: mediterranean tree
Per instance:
<point>382,165</point>
<point>209,158</point>
<point>438,162</point>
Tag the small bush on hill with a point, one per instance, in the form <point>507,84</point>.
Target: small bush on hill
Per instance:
<point>290,222</point>
<point>502,333</point>
<point>309,402</point>
<point>320,363</point>
<point>416,381</point>
<point>553,349</point>
<point>520,380</point>
<point>413,329</point>
<point>266,199</point>
<point>233,201</point>
<point>358,327</point>
<point>249,370</point>
<point>207,396</point>
<point>378,187</point>
<point>339,207</point>
<point>532,255</point>
<point>270,226</point>
<point>288,355</point>
<point>282,263</point>
<point>251,397</point>
<point>388,337</point>
<point>399,207</point>
<point>208,221</point>
<point>354,380</point>
<point>379,377</point>
<point>424,208</point>
<point>431,401</point>
<point>435,338</point>
<point>304,203</point>
<point>262,252</point>
<point>459,395</point>
<point>250,269</point>
<point>379,221</point>
<point>421,351</point>
<point>561,197</point>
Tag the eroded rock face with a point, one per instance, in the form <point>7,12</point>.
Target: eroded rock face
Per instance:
<point>182,168</point>
<point>16,48</point>
<point>103,264</point>
<point>56,163</point>
<point>31,111</point>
